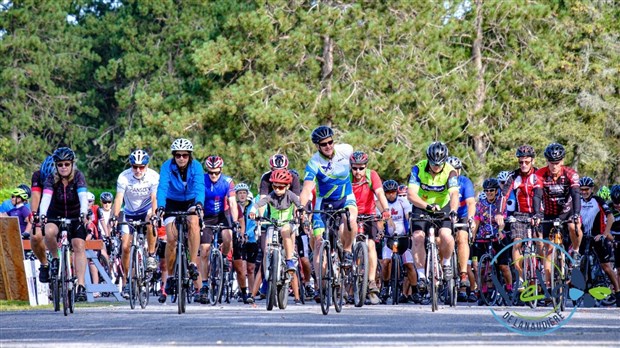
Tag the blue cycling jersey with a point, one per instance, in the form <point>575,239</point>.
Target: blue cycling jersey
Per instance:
<point>217,193</point>
<point>173,187</point>
<point>466,190</point>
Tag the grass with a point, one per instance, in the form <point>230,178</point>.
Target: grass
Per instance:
<point>11,306</point>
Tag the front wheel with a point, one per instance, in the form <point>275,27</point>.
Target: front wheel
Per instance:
<point>360,274</point>
<point>432,264</point>
<point>181,279</point>
<point>132,277</point>
<point>338,283</point>
<point>64,279</point>
<point>272,280</point>
<point>324,277</point>
<point>216,276</point>
<point>485,280</point>
<point>142,285</point>
<point>395,275</point>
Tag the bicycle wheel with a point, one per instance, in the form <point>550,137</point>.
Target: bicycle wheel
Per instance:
<point>558,278</point>
<point>64,279</point>
<point>272,280</point>
<point>394,278</point>
<point>300,285</point>
<point>360,274</point>
<point>531,278</point>
<point>453,287</point>
<point>181,271</point>
<point>56,287</point>
<point>337,284</point>
<point>143,289</point>
<point>324,277</point>
<point>216,277</point>
<point>72,285</point>
<point>485,274</point>
<point>132,277</point>
<point>432,264</point>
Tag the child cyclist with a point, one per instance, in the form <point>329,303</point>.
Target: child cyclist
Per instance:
<point>282,203</point>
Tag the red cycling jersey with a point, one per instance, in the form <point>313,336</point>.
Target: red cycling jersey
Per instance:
<point>556,192</point>
<point>523,186</point>
<point>364,192</point>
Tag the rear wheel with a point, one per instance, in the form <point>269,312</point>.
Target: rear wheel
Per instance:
<point>56,288</point>
<point>180,275</point>
<point>272,296</point>
<point>132,277</point>
<point>485,280</point>
<point>338,283</point>
<point>324,277</point>
<point>360,273</point>
<point>531,278</point>
<point>216,276</point>
<point>394,279</point>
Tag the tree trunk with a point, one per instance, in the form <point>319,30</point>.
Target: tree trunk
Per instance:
<point>326,71</point>
<point>479,137</point>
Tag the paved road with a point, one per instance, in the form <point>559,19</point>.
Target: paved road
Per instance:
<point>241,325</point>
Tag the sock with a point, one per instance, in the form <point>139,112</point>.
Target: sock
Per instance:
<point>421,273</point>
<point>205,283</point>
<point>446,262</point>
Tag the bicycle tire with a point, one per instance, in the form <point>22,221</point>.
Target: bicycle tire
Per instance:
<point>272,280</point>
<point>337,283</point>
<point>72,285</point>
<point>181,271</point>
<point>56,293</point>
<point>64,278</point>
<point>360,269</point>
<point>143,289</point>
<point>485,273</point>
<point>324,277</point>
<point>529,273</point>
<point>394,278</point>
<point>453,284</point>
<point>558,277</point>
<point>433,274</point>
<point>300,285</point>
<point>216,276</point>
<point>132,277</point>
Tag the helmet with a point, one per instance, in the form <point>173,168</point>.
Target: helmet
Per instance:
<point>26,189</point>
<point>47,167</point>
<point>555,152</point>
<point>490,184</point>
<point>390,185</point>
<point>18,192</point>
<point>525,151</point>
<point>281,176</point>
<point>106,197</point>
<point>615,194</point>
<point>604,193</point>
<point>242,187</point>
<point>503,176</point>
<point>140,157</point>
<point>437,153</point>
<point>214,162</point>
<point>278,161</point>
<point>182,144</point>
<point>358,157</point>
<point>455,162</point>
<point>91,196</point>
<point>320,133</point>
<point>402,189</point>
<point>63,154</point>
<point>586,181</point>
<point>250,196</point>
<point>482,196</point>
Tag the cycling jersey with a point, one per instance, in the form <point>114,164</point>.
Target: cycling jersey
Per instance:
<point>217,193</point>
<point>22,212</point>
<point>265,185</point>
<point>433,190</point>
<point>364,192</point>
<point>37,181</point>
<point>331,175</point>
<point>104,219</point>
<point>522,186</point>
<point>137,192</point>
<point>561,195</point>
<point>95,219</point>
<point>181,187</point>
<point>466,190</point>
<point>282,207</point>
<point>485,215</point>
<point>250,225</point>
<point>398,211</point>
<point>593,215</point>
<point>64,201</point>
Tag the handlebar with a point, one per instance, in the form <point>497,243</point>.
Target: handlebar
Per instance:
<point>333,212</point>
<point>61,220</point>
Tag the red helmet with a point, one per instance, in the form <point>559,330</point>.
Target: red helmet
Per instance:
<point>278,161</point>
<point>358,157</point>
<point>214,162</point>
<point>402,189</point>
<point>281,176</point>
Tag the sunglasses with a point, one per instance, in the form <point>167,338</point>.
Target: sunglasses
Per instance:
<point>584,189</point>
<point>490,190</point>
<point>181,155</point>
<point>215,173</point>
<point>66,164</point>
<point>138,167</point>
<point>554,163</point>
<point>359,169</point>
<point>104,202</point>
<point>278,187</point>
<point>327,143</point>
<point>433,164</point>
<point>527,163</point>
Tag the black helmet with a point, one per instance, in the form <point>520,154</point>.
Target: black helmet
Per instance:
<point>525,151</point>
<point>320,133</point>
<point>106,197</point>
<point>555,152</point>
<point>455,162</point>
<point>437,153</point>
<point>615,194</point>
<point>63,154</point>
<point>490,184</point>
<point>390,185</point>
<point>586,181</point>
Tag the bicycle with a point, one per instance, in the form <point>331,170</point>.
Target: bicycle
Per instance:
<point>181,280</point>
<point>216,265</point>
<point>356,278</point>
<point>396,269</point>
<point>559,272</point>
<point>64,283</point>
<point>330,254</point>
<point>590,267</point>
<point>137,276</point>
<point>114,267</point>
<point>532,272</point>
<point>278,279</point>
<point>487,272</point>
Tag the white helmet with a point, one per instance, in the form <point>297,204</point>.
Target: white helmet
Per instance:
<point>182,144</point>
<point>503,176</point>
<point>482,196</point>
<point>91,196</point>
<point>242,187</point>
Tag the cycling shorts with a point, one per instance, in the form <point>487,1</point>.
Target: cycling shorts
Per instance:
<point>318,226</point>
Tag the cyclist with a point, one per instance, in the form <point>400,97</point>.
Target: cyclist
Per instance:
<point>278,161</point>
<point>18,199</point>
<point>597,219</point>
<point>402,192</point>
<point>399,209</point>
<point>65,195</point>
<point>106,199</point>
<point>520,184</point>
<point>614,195</point>
<point>181,187</point>
<point>8,204</point>
<point>558,187</point>
<point>329,169</point>
<point>433,187</point>
<point>219,198</point>
<point>367,185</point>
<point>486,224</point>
<point>136,189</point>
<point>466,211</point>
<point>36,240</point>
<point>249,251</point>
<point>95,231</point>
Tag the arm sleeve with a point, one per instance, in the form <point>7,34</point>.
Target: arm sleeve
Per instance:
<point>576,196</point>
<point>164,182</point>
<point>83,195</point>
<point>538,193</point>
<point>199,177</point>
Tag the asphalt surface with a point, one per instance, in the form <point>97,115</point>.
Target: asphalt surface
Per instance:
<point>236,324</point>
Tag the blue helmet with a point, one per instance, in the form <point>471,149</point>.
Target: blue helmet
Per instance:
<point>47,167</point>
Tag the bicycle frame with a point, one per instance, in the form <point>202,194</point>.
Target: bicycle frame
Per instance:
<point>137,274</point>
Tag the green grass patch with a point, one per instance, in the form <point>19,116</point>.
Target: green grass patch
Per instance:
<point>9,306</point>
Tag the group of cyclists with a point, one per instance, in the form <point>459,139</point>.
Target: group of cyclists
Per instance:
<point>337,177</point>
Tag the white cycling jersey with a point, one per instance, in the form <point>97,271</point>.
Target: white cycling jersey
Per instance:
<point>105,219</point>
<point>137,192</point>
<point>398,210</point>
